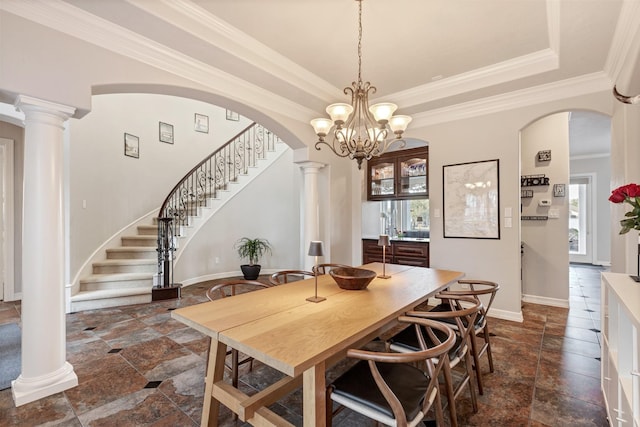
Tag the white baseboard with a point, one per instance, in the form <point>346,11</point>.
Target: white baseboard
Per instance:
<point>553,302</point>
<point>506,315</point>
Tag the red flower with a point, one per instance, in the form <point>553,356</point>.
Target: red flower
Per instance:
<point>630,194</point>
<point>621,193</point>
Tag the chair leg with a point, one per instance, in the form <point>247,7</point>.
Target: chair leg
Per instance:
<point>438,409</point>
<point>472,391</point>
<point>328,407</point>
<point>476,361</point>
<point>451,398</point>
<point>488,341</point>
<point>234,368</point>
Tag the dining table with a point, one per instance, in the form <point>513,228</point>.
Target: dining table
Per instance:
<point>279,327</point>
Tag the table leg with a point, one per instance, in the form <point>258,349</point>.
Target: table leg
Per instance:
<point>215,372</point>
<point>313,396</point>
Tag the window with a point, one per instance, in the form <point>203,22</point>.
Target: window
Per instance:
<point>409,216</point>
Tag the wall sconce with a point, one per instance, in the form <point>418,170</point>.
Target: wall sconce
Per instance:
<point>384,242</point>
<point>316,249</point>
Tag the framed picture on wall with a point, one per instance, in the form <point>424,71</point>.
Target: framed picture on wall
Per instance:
<point>558,190</point>
<point>201,123</point>
<point>471,200</point>
<point>232,115</point>
<point>166,133</point>
<point>131,146</point>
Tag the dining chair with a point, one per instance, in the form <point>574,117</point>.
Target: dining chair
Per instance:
<point>477,289</point>
<point>228,289</point>
<point>286,276</point>
<point>325,268</point>
<point>388,387</point>
<point>460,353</point>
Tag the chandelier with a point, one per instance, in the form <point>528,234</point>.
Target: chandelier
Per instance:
<point>359,131</point>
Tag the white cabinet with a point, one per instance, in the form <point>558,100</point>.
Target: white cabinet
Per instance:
<point>620,349</point>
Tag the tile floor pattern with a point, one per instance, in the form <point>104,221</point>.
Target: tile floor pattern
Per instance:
<point>137,366</point>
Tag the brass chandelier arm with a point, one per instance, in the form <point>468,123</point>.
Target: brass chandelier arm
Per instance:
<point>360,131</point>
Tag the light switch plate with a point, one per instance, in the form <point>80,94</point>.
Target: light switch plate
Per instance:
<point>507,212</point>
<point>436,213</point>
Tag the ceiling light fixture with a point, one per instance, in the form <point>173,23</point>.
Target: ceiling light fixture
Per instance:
<point>359,131</point>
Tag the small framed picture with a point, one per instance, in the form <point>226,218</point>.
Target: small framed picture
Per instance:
<point>166,133</point>
<point>544,156</point>
<point>558,190</point>
<point>131,145</point>
<point>201,123</point>
<point>232,115</point>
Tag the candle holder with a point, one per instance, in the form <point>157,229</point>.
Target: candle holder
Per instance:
<point>316,249</point>
<point>384,242</point>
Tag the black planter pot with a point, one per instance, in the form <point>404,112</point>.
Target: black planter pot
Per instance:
<point>251,272</point>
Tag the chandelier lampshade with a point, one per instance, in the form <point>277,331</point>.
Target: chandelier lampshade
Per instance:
<point>357,130</point>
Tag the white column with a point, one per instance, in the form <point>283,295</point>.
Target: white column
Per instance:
<point>311,218</point>
<point>45,370</point>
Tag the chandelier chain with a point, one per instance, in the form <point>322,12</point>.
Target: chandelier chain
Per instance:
<point>359,41</point>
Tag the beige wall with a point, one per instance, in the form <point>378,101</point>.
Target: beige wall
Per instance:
<point>546,259</point>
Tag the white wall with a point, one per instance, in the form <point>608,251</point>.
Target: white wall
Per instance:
<point>116,189</point>
<point>600,168</point>
<point>268,208</point>
<point>546,252</point>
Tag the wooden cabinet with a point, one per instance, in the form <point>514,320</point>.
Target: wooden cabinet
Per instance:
<point>620,375</point>
<point>405,252</point>
<point>399,175</point>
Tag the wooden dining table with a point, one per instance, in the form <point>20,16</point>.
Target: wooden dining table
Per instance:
<point>301,339</point>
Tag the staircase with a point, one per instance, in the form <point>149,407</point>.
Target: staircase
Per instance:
<point>126,275</point>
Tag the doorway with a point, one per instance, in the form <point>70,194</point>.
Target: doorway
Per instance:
<point>581,219</point>
<point>6,220</point>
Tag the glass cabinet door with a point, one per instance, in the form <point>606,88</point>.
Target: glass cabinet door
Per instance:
<point>382,179</point>
<point>413,176</point>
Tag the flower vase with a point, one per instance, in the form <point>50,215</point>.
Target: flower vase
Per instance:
<point>636,278</point>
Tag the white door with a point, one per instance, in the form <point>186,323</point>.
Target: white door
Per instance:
<point>6,220</point>
<point>581,219</point>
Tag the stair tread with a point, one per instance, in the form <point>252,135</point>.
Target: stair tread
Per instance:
<point>111,277</point>
<point>133,261</point>
<point>141,236</point>
<point>110,293</point>
<point>131,248</point>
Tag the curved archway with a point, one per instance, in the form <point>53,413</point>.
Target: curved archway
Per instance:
<point>578,143</point>
<point>291,139</point>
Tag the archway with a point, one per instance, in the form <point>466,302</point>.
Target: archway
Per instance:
<point>553,148</point>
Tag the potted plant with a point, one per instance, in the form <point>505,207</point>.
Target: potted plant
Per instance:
<point>252,250</point>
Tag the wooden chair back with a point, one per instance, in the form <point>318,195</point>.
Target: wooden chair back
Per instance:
<point>286,276</point>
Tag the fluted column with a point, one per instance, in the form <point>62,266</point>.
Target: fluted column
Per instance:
<point>311,218</point>
<point>45,370</point>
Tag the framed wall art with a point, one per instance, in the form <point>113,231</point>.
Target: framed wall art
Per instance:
<point>201,123</point>
<point>131,146</point>
<point>558,190</point>
<point>471,200</point>
<point>166,133</point>
<point>232,115</point>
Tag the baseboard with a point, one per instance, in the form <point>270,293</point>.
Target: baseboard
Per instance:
<point>506,315</point>
<point>553,302</point>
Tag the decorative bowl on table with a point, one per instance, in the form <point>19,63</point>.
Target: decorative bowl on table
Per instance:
<point>352,278</point>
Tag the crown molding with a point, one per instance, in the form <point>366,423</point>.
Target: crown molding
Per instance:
<point>190,17</point>
<point>513,69</point>
<point>70,20</point>
<point>627,34</point>
<point>590,156</point>
<point>582,85</point>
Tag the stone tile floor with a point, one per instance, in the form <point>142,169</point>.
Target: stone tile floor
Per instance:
<point>136,366</point>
